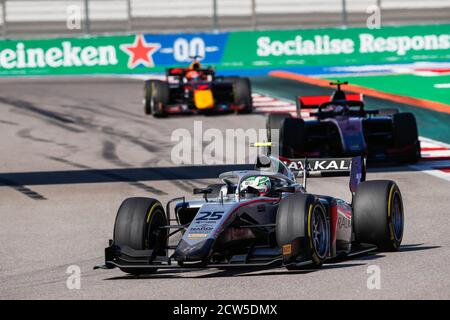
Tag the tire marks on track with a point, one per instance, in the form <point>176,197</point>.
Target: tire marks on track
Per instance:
<point>22,189</point>
<point>112,176</point>
<point>47,116</point>
<point>26,134</point>
<point>9,122</point>
<point>109,154</point>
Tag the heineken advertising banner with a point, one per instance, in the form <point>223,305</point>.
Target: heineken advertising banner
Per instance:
<point>107,54</point>
<point>143,53</point>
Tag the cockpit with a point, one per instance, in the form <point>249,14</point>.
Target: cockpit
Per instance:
<point>270,174</point>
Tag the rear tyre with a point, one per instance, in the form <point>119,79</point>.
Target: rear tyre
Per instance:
<point>137,226</point>
<point>378,214</point>
<point>387,112</point>
<point>302,228</point>
<point>292,137</point>
<point>242,91</point>
<point>147,97</point>
<point>156,97</point>
<point>405,134</point>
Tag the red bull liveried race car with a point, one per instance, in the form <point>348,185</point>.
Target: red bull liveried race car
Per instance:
<point>197,90</point>
<point>341,126</point>
<point>259,218</point>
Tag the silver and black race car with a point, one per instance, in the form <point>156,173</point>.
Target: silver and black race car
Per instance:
<point>260,218</point>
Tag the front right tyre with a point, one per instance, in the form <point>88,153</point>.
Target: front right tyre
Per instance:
<point>302,230</point>
<point>405,135</point>
<point>242,93</point>
<point>378,214</point>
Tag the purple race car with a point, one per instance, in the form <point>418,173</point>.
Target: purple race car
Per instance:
<point>342,127</point>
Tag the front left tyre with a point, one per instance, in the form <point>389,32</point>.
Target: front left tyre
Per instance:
<point>156,97</point>
<point>138,226</point>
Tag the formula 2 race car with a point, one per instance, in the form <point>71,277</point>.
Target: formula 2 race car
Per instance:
<point>197,89</point>
<point>260,218</point>
<point>342,127</point>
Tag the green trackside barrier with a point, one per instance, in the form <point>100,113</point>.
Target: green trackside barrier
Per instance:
<point>227,50</point>
<point>335,47</point>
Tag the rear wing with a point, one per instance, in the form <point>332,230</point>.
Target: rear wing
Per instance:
<point>313,102</point>
<point>355,168</point>
<point>182,71</point>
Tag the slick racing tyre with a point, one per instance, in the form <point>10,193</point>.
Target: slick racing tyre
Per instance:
<point>405,134</point>
<point>274,121</point>
<point>137,226</point>
<point>242,92</point>
<point>302,230</point>
<point>156,97</point>
<point>292,137</point>
<point>378,214</point>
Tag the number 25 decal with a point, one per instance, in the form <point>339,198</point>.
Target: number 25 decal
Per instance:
<point>210,216</point>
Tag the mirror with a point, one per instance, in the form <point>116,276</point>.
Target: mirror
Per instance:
<point>290,189</point>
<point>202,190</point>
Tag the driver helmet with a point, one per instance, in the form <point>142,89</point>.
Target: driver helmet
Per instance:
<point>193,75</point>
<point>195,66</point>
<point>262,184</point>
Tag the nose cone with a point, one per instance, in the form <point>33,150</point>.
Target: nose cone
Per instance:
<point>198,251</point>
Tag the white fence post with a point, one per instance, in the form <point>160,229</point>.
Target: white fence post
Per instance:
<point>254,18</point>
<point>215,16</point>
<point>4,27</point>
<point>129,17</point>
<point>344,13</point>
<point>379,9</point>
<point>87,24</point>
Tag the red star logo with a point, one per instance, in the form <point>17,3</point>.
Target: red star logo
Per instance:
<point>140,52</point>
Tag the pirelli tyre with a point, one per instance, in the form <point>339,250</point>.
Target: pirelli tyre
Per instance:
<point>156,97</point>
<point>137,226</point>
<point>378,214</point>
<point>406,136</point>
<point>292,138</point>
<point>302,231</point>
<point>242,92</point>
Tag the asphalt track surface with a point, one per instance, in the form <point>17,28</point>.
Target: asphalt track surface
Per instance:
<point>72,149</point>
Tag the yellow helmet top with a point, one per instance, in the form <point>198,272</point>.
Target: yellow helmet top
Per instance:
<point>195,65</point>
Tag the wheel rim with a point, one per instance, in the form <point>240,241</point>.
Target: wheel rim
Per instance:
<point>152,105</point>
<point>319,232</point>
<point>397,217</point>
<point>156,235</point>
